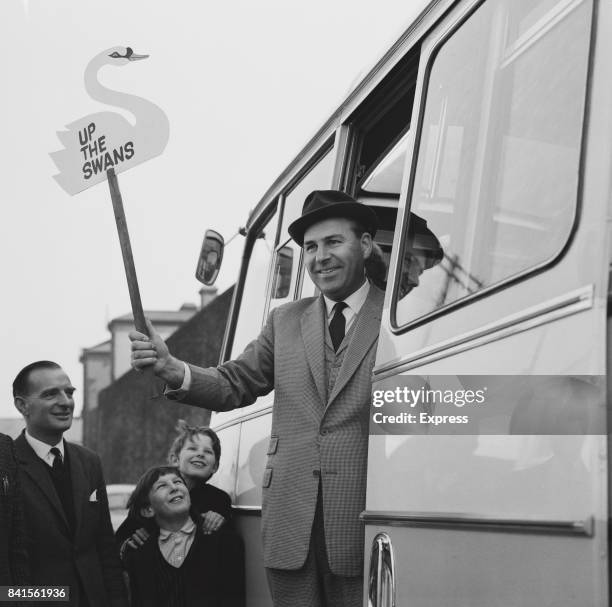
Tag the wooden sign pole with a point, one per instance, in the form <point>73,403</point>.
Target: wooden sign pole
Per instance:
<point>126,251</point>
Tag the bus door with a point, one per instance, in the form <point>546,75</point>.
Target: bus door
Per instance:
<point>487,479</point>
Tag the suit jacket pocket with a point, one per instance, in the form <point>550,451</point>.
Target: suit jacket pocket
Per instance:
<point>273,445</point>
<point>267,478</point>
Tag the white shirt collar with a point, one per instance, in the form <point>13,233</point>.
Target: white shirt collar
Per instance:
<point>43,450</point>
<point>188,528</point>
<point>354,301</point>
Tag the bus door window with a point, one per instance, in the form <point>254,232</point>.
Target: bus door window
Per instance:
<point>377,155</point>
<point>380,188</point>
<point>253,303</point>
<point>287,261</point>
<point>496,177</point>
<point>378,127</point>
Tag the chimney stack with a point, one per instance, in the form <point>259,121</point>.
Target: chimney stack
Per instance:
<point>207,294</point>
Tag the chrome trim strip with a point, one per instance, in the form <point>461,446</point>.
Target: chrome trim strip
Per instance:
<point>477,523</point>
<point>559,307</point>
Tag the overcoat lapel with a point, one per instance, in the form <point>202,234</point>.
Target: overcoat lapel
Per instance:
<point>80,486</point>
<point>34,467</point>
<point>313,334</point>
<point>366,330</point>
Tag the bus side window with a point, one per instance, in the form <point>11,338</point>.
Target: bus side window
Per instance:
<point>283,272</point>
<point>497,169</point>
<point>225,476</point>
<point>253,303</point>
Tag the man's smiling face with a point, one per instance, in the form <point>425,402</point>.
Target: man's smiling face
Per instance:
<point>335,256</point>
<point>48,405</point>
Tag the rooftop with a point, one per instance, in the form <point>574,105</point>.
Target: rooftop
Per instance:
<point>101,348</point>
<point>160,316</point>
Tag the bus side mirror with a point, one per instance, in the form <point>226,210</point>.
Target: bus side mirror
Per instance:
<point>210,259</point>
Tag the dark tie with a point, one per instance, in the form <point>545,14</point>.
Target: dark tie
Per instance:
<point>337,326</point>
<point>60,475</point>
<point>58,463</point>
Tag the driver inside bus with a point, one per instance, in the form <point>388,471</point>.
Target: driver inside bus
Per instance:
<point>423,251</point>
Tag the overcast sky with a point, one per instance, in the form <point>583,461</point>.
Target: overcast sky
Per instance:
<point>244,84</point>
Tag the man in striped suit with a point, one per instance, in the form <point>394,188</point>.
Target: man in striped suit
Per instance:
<point>13,557</point>
<point>317,354</point>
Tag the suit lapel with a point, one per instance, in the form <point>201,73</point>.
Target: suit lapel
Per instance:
<point>365,333</point>
<point>80,486</point>
<point>34,467</point>
<point>313,334</point>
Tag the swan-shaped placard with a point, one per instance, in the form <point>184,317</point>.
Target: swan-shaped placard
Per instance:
<point>105,140</point>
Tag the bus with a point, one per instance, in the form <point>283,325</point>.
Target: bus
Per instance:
<point>492,121</point>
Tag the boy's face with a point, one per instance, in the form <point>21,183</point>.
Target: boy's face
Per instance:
<point>168,497</point>
<point>196,459</point>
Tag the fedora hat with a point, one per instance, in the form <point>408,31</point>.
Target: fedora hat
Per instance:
<point>326,204</point>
